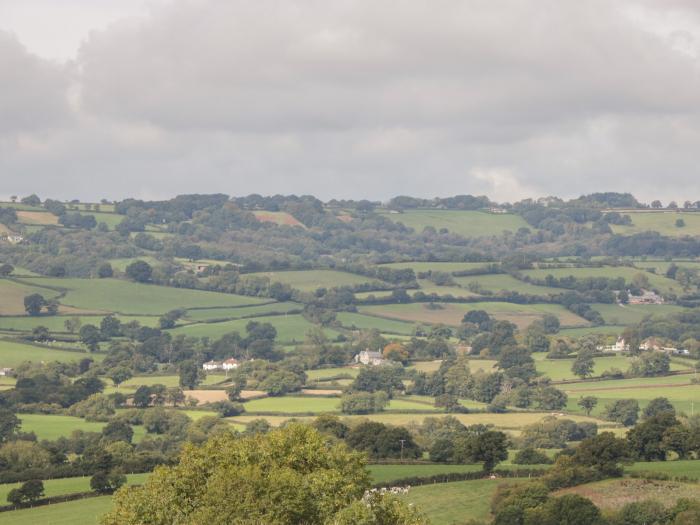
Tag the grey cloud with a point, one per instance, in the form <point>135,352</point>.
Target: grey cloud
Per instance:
<point>369,99</point>
<point>33,92</point>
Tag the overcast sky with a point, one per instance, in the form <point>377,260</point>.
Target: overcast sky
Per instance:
<point>350,98</point>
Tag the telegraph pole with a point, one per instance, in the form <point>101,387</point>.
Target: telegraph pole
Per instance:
<point>402,442</point>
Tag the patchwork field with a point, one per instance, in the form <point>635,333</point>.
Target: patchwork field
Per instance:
<point>633,313</point>
<point>661,267</point>
<point>82,512</point>
<point>311,280</point>
<point>59,487</point>
<point>503,282</point>
<point>112,295</point>
<point>290,328</point>
<point>452,314</point>
<point>559,369</point>
<point>13,353</point>
<point>663,222</point>
<point>365,322</point>
<point>677,389</point>
<point>465,223</point>
<point>281,218</point>
<point>389,473</point>
<point>660,282</point>
<point>458,502</point>
<point>52,426</point>
<point>209,314</point>
<point>448,267</point>
<point>12,296</point>
<point>56,323</point>
<point>689,468</point>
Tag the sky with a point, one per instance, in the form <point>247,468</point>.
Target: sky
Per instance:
<point>350,98</point>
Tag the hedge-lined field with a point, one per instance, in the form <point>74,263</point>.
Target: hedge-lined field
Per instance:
<point>466,223</point>
<point>13,354</point>
<point>112,295</point>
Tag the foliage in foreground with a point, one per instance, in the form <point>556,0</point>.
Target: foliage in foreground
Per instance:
<point>288,476</point>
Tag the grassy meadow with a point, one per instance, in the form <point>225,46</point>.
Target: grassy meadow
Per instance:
<point>81,512</point>
<point>466,223</point>
<point>290,328</point>
<point>13,353</point>
<point>452,313</point>
<point>12,296</point>
<point>211,314</point>
<point>112,295</point>
<point>311,280</point>
<point>355,321</point>
<point>660,282</point>
<point>663,222</point>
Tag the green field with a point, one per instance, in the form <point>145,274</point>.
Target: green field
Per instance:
<point>504,282</point>
<point>606,330</point>
<point>389,473</point>
<point>82,512</point>
<point>634,313</point>
<point>663,222</point>
<point>310,280</point>
<point>452,313</point>
<point>429,287</point>
<point>12,296</point>
<point>323,373</point>
<point>59,487</point>
<point>121,263</point>
<point>661,267</point>
<point>365,322</point>
<point>13,353</point>
<point>686,467</point>
<point>677,389</point>
<point>168,381</point>
<point>294,405</point>
<point>290,328</point>
<point>660,282</point>
<point>439,266</point>
<point>56,323</point>
<point>465,223</point>
<point>457,502</point>
<point>559,369</point>
<point>112,295</point>
<point>208,314</point>
<point>51,426</point>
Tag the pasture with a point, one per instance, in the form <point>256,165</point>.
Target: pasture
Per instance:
<point>56,323</point>
<point>503,282</point>
<point>120,264</point>
<point>677,389</point>
<point>390,473</point>
<point>560,369</point>
<point>12,296</point>
<point>429,287</point>
<point>451,313</point>
<point>14,353</point>
<point>661,267</point>
<point>660,282</point>
<point>290,328</point>
<point>212,314</point>
<point>81,512</point>
<point>689,468</point>
<point>280,218</point>
<point>311,280</point>
<point>326,373</point>
<point>448,267</point>
<point>112,295</point>
<point>53,426</point>
<point>456,502</point>
<point>62,486</point>
<point>355,321</point>
<point>633,313</point>
<point>663,222</point>
<point>606,330</point>
<point>461,222</point>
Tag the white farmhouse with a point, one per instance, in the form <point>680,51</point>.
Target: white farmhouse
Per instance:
<point>230,364</point>
<point>212,365</point>
<point>369,357</point>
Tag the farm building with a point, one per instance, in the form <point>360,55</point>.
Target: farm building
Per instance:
<point>619,346</point>
<point>5,371</point>
<point>230,364</point>
<point>647,297</point>
<point>213,365</point>
<point>369,357</point>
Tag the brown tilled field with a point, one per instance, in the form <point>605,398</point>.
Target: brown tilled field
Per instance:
<point>277,217</point>
<point>37,217</point>
<point>211,396</point>
<point>614,493</point>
